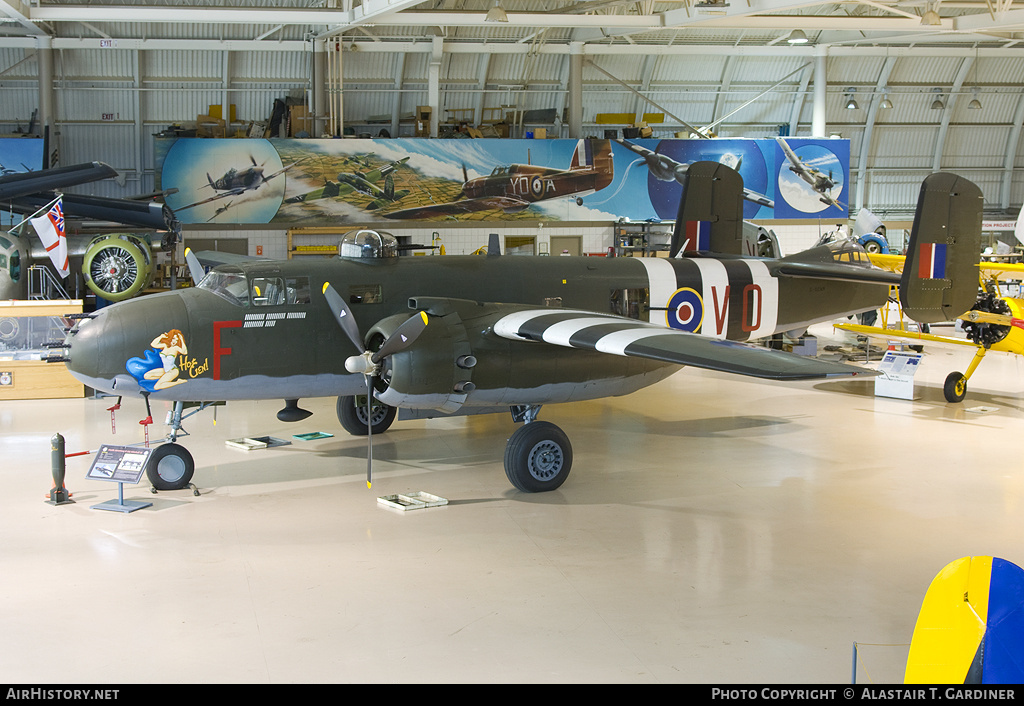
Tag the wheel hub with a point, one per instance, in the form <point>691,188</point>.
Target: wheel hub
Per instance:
<point>545,460</point>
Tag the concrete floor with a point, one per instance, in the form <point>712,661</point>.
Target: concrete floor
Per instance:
<point>715,529</point>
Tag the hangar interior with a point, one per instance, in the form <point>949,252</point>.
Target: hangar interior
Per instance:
<point>715,529</point>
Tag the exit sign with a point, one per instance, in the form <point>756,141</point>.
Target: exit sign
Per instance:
<point>108,116</point>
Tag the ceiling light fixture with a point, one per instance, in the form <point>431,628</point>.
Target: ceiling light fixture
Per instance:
<point>496,13</point>
<point>851,104</point>
<point>937,104</point>
<point>975,104</point>
<point>797,36</point>
<point>931,14</point>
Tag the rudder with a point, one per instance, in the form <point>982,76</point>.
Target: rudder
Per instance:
<point>710,210</point>
<point>940,277</point>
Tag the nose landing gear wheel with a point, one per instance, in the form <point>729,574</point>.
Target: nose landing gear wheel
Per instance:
<point>170,467</point>
<point>538,457</point>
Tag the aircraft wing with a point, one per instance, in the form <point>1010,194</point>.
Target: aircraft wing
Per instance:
<point>505,203</point>
<point>893,263</point>
<point>22,183</point>
<point>329,190</point>
<point>618,335</point>
<point>889,333</point>
<point>1002,270</point>
<point>217,197</point>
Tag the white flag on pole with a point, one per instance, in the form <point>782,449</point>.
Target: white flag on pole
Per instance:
<point>50,229</point>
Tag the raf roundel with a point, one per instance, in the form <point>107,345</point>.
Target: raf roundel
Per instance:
<point>685,310</point>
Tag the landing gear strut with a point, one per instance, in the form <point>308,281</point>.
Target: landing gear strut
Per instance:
<point>171,466</point>
<point>955,387</point>
<point>538,456</point>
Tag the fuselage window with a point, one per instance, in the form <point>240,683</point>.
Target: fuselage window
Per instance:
<point>297,290</point>
<point>631,303</point>
<point>365,294</point>
<point>267,291</point>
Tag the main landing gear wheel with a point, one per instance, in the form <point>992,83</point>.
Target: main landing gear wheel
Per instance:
<point>538,457</point>
<point>955,387</point>
<point>170,467</point>
<point>352,415</point>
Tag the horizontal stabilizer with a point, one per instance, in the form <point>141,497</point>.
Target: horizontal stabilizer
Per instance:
<point>618,335</point>
<point>940,277</point>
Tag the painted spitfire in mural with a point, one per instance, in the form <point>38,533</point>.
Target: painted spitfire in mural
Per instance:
<point>515,187</point>
<point>470,334</point>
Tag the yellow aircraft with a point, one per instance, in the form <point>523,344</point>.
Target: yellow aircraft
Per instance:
<point>994,322</point>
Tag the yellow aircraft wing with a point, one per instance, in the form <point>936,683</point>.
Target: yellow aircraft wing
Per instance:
<point>1002,270</point>
<point>907,335</point>
<point>893,263</point>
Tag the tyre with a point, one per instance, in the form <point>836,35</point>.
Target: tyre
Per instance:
<point>352,415</point>
<point>538,457</point>
<point>955,387</point>
<point>170,467</point>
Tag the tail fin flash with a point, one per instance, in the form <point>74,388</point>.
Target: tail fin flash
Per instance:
<point>940,280</point>
<point>710,210</point>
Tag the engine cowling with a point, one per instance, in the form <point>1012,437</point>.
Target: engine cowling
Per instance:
<point>117,267</point>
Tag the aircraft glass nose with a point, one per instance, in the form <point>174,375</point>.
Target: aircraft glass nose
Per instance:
<point>113,350</point>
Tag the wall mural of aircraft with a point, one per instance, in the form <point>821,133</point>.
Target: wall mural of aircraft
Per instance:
<point>515,187</point>
<point>360,182</point>
<point>665,168</point>
<point>822,185</point>
<point>431,337</point>
<point>236,182</point>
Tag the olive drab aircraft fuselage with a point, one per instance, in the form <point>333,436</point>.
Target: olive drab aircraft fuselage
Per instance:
<point>447,335</point>
<point>237,343</point>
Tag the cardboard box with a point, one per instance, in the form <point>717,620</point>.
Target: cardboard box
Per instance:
<point>209,126</point>
<point>299,120</point>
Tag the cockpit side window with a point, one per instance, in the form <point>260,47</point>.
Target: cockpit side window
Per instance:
<point>229,285</point>
<point>267,291</point>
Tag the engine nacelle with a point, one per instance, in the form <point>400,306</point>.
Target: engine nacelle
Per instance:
<point>117,267</point>
<point>459,361</point>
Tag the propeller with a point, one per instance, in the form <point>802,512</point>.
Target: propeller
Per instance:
<point>368,362</point>
<point>195,268</point>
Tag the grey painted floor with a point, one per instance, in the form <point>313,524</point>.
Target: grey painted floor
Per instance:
<point>714,529</point>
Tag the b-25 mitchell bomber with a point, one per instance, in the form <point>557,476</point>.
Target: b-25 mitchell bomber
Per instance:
<point>470,334</point>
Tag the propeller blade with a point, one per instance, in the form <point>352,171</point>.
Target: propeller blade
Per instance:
<point>402,338</point>
<point>369,431</point>
<point>195,268</point>
<point>343,315</point>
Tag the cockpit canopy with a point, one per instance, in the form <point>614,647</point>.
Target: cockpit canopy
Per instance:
<point>364,244</point>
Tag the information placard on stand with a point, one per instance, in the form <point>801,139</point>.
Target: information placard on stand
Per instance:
<point>897,374</point>
<point>120,464</point>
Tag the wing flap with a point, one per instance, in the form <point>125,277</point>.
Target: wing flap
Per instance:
<point>617,335</point>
